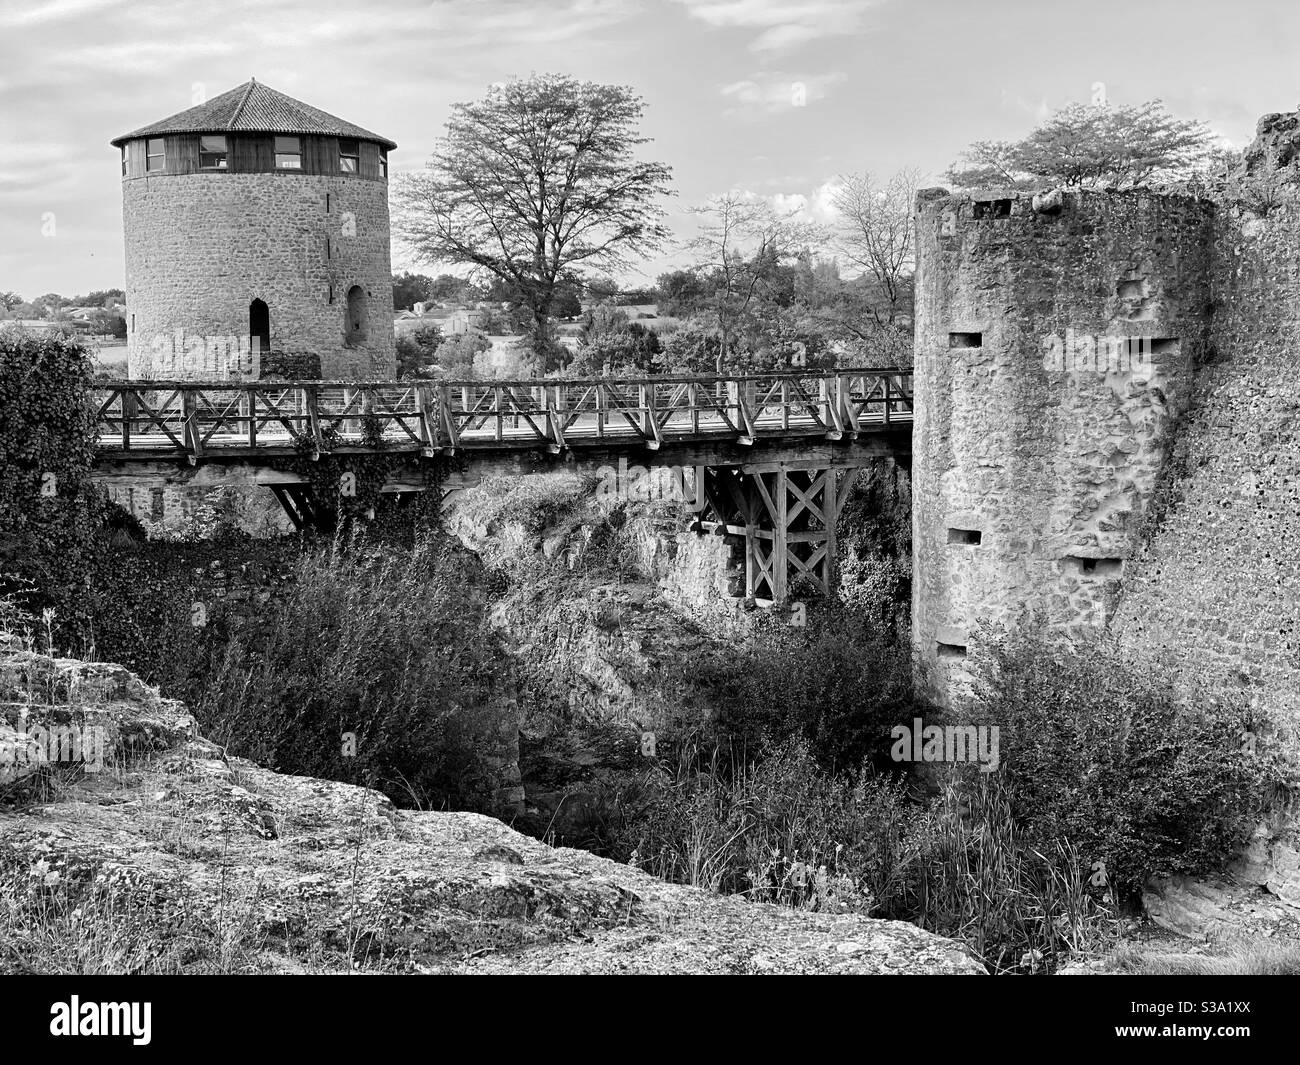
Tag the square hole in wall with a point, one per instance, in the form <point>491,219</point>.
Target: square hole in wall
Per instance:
<point>949,650</point>
<point>965,536</point>
<point>1095,567</point>
<point>982,209</point>
<point>1165,346</point>
<point>965,340</point>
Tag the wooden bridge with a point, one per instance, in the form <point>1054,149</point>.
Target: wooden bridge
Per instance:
<point>767,451</point>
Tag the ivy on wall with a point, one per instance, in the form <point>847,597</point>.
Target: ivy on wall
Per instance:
<point>51,512</point>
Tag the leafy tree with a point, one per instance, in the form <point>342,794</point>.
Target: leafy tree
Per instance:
<point>35,309</point>
<point>10,300</point>
<point>410,289</point>
<point>535,182</point>
<point>107,322</point>
<point>447,287</point>
<point>416,350</point>
<point>456,354</point>
<point>567,304</point>
<point>695,348</point>
<point>682,293</point>
<point>100,297</point>
<point>1084,145</point>
<point>611,344</point>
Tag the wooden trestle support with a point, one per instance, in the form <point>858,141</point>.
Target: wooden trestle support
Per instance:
<point>787,514</point>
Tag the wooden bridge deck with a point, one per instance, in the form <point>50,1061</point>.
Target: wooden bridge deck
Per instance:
<point>149,421</point>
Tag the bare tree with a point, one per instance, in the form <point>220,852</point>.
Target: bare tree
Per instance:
<point>877,236</point>
<point>534,183</point>
<point>741,243</point>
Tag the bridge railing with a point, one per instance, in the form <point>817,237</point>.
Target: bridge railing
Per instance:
<point>193,417</point>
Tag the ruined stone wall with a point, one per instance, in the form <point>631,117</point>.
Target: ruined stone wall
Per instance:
<point>1034,460</point>
<point>164,508</point>
<point>1217,589</point>
<point>201,247</point>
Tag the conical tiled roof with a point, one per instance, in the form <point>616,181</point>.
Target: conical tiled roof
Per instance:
<point>254,108</point>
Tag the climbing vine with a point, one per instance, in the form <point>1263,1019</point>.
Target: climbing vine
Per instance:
<point>346,486</point>
<point>50,509</point>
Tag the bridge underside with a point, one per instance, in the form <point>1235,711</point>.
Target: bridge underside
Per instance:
<point>772,456</point>
<point>783,498</point>
<point>787,515</point>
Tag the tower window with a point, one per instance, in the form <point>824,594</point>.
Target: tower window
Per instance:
<point>965,340</point>
<point>355,325</point>
<point>383,164</point>
<point>288,153</point>
<point>155,157</point>
<point>126,158</point>
<point>212,153</point>
<point>991,209</point>
<point>349,156</point>
<point>259,326</point>
<point>1094,567</point>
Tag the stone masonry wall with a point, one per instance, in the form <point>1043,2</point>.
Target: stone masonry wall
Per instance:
<point>201,247</point>
<point>1217,590</point>
<point>1033,462</point>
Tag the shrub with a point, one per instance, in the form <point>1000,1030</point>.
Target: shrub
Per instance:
<point>841,684</point>
<point>780,830</point>
<point>1112,757</point>
<point>374,645</point>
<point>784,830</point>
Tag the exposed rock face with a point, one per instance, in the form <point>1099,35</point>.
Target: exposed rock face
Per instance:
<point>1218,908</point>
<point>1276,147</point>
<point>198,862</point>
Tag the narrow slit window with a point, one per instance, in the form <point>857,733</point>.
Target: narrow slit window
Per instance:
<point>155,157</point>
<point>212,153</point>
<point>349,156</point>
<point>965,537</point>
<point>126,158</point>
<point>983,209</point>
<point>288,153</point>
<point>965,340</point>
<point>383,164</point>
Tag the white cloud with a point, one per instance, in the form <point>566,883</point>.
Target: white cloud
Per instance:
<point>783,24</point>
<point>51,11</point>
<point>778,91</point>
<point>817,206</point>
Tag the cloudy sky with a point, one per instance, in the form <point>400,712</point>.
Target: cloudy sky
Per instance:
<point>885,84</point>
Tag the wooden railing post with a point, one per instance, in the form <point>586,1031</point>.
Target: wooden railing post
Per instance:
<point>191,436</point>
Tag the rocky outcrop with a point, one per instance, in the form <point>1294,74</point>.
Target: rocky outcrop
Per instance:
<point>175,857</point>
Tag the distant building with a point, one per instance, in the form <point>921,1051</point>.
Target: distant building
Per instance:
<point>464,320</point>
<point>255,222</point>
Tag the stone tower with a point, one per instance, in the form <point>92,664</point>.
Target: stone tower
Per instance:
<point>257,240</point>
<point>1057,337</point>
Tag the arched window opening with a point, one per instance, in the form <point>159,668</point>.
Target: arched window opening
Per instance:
<point>259,327</point>
<point>357,323</point>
